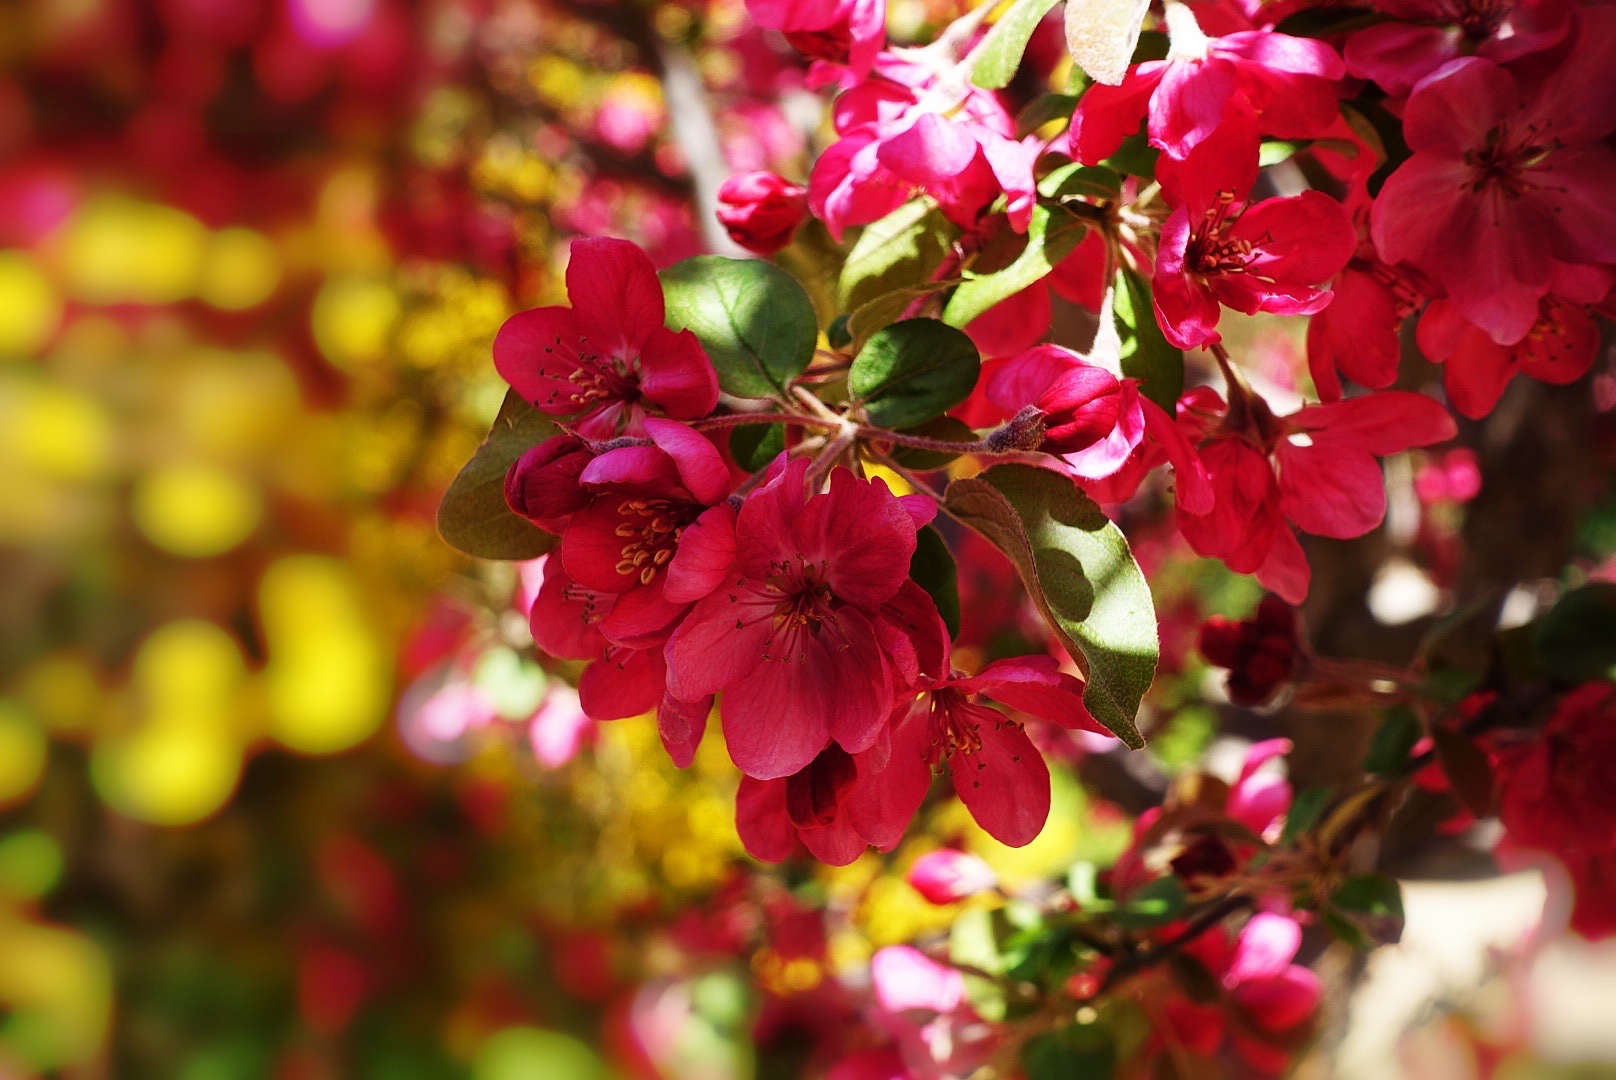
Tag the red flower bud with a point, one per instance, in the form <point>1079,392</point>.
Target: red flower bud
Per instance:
<point>947,876</point>
<point>1082,407</point>
<point>1260,652</point>
<point>761,211</point>
<point>542,484</point>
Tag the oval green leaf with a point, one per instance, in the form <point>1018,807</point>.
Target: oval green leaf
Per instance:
<point>913,371</point>
<point>473,516</point>
<point>754,319</point>
<point>1078,569</point>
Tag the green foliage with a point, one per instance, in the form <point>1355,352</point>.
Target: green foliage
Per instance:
<point>754,319</point>
<point>1398,732</point>
<point>755,445</point>
<point>999,55</point>
<point>1152,905</point>
<point>1367,910</point>
<point>1073,1052</point>
<point>474,517</point>
<point>1041,110</point>
<point>1576,640</point>
<point>1135,157</point>
<point>895,253</point>
<point>913,371</point>
<point>1086,181</point>
<point>1306,809</point>
<point>932,568</point>
<point>1052,233</point>
<point>1146,354</point>
<point>1079,571</point>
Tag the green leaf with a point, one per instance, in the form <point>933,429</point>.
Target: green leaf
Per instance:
<point>903,248</point>
<point>1306,809</point>
<point>999,55</point>
<point>1074,1052</point>
<point>1051,236</point>
<point>932,568</point>
<point>756,323</point>
<point>1041,110</point>
<point>944,429</point>
<point>1135,156</point>
<point>1161,901</point>
<point>1101,35</point>
<point>1373,904</point>
<point>1087,181</point>
<point>753,446</point>
<point>1274,151</point>
<point>1146,354</point>
<point>473,516</point>
<point>1079,571</point>
<point>837,333</point>
<point>1576,640</point>
<point>1396,736</point>
<point>885,309</point>
<point>913,371</point>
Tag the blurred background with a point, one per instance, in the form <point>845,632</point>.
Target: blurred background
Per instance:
<point>283,791</point>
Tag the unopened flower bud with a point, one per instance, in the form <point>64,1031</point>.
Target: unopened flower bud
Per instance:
<point>1023,431</point>
<point>761,211</point>
<point>947,876</point>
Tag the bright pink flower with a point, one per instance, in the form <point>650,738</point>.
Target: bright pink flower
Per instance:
<point>795,637</point>
<point>1261,652</point>
<point>1428,33</point>
<point>761,211</point>
<point>626,540</point>
<point>1558,349</point>
<point>1315,469</point>
<point>1357,334</point>
<point>1216,250</point>
<point>607,361</point>
<point>560,727</point>
<point>1260,798</point>
<point>621,680</point>
<point>904,129</point>
<point>1288,82</point>
<point>998,773</point>
<point>1095,420</point>
<point>947,876</point>
<point>1506,183</point>
<point>840,33</point>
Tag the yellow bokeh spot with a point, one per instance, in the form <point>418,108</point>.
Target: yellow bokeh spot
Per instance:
<point>22,753</point>
<point>30,308</point>
<point>119,250</point>
<point>328,677</point>
<point>172,772</point>
<point>353,319</point>
<point>195,510</point>
<point>895,483</point>
<point>241,269</point>
<point>189,669</point>
<point>56,432</point>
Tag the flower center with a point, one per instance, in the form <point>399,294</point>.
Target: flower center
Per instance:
<point>956,725</point>
<point>1479,20</point>
<point>596,378</point>
<point>652,528</point>
<point>1505,160</point>
<point>1210,249</point>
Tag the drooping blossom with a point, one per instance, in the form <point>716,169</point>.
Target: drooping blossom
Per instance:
<point>1559,349</point>
<point>1315,468</point>
<point>1216,250</point>
<point>1261,652</point>
<point>811,805</point>
<point>907,127</point>
<point>1288,82</point>
<point>1422,35</point>
<point>794,636</point>
<point>1508,183</point>
<point>1356,335</point>
<point>1554,790</point>
<point>608,361</point>
<point>761,211</point>
<point>947,876</point>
